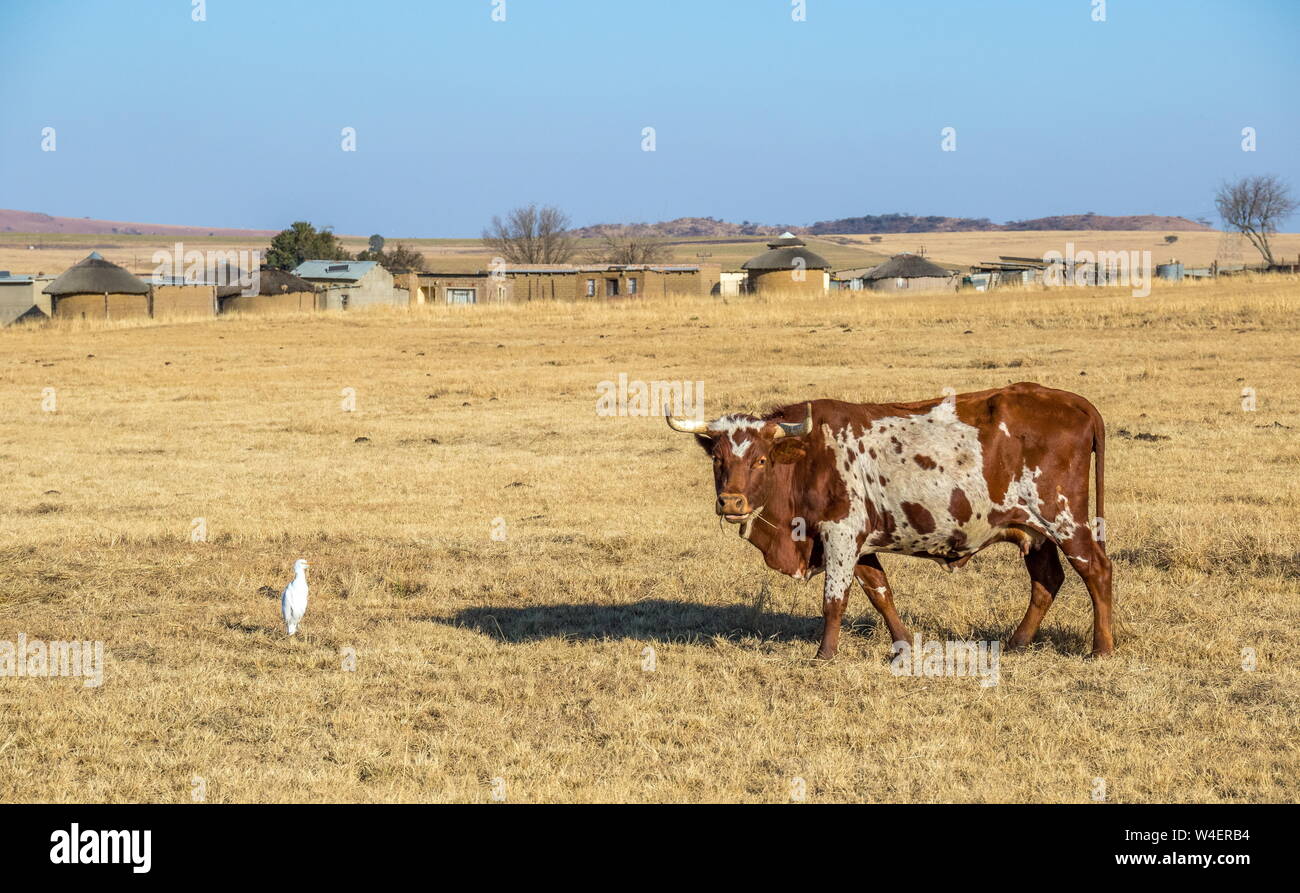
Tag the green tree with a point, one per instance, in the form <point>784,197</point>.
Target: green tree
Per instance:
<point>399,260</point>
<point>302,241</point>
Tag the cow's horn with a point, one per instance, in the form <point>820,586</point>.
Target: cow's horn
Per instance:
<point>685,425</point>
<point>798,429</point>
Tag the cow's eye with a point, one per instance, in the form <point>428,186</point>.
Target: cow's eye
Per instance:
<point>762,460</point>
<point>717,460</point>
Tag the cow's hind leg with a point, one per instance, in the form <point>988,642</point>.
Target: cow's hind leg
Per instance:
<point>872,577</point>
<point>1045,579</point>
<point>1088,557</point>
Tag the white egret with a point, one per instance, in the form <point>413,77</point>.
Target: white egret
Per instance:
<point>293,603</point>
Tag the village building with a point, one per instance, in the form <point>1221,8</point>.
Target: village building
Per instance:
<point>787,265</point>
<point>97,289</point>
<point>349,284</point>
<point>561,282</point>
<point>180,297</point>
<point>731,283</point>
<point>21,298</point>
<point>278,291</point>
<point>908,272</point>
<point>850,280</point>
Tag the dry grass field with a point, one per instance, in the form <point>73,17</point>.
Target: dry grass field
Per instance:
<point>516,665</point>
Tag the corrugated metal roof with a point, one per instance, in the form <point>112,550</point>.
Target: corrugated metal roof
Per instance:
<point>343,270</point>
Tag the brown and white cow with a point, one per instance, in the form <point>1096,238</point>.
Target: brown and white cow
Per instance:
<point>940,479</point>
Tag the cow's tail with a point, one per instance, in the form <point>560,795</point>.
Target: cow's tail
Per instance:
<point>1099,449</point>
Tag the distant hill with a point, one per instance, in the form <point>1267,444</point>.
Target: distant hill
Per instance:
<point>1094,221</point>
<point>35,222</point>
<point>692,228</point>
<point>885,224</point>
<point>681,228</point>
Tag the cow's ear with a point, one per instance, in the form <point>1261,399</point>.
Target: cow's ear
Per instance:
<point>787,451</point>
<point>705,442</point>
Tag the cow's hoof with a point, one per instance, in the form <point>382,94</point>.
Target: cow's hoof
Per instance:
<point>1099,653</point>
<point>824,655</point>
<point>1015,645</point>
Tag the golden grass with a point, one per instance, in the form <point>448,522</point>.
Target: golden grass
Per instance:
<point>522,660</point>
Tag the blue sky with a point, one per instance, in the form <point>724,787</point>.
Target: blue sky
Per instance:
<point>236,121</point>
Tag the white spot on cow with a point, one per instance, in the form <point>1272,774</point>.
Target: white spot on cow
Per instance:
<point>953,446</point>
<point>1002,426</point>
<point>883,590</point>
<point>731,425</point>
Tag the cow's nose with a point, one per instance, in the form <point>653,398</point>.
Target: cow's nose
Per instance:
<point>732,504</point>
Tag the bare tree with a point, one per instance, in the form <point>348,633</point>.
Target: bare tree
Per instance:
<point>1254,206</point>
<point>637,244</point>
<point>532,235</point>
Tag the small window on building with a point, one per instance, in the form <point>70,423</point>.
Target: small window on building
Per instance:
<point>900,282</point>
<point>611,288</point>
<point>591,288</point>
<point>460,296</point>
<point>631,285</point>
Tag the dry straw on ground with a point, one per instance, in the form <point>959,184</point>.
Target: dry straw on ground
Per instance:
<point>522,660</point>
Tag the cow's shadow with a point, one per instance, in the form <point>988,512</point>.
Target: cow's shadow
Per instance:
<point>663,620</point>
<point>651,620</point>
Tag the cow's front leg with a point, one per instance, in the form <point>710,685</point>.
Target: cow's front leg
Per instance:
<point>835,597</point>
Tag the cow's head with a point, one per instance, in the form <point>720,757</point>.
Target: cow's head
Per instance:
<point>744,450</point>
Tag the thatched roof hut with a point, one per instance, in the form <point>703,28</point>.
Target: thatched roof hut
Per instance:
<point>278,282</point>
<point>270,281</point>
<point>277,291</point>
<point>911,272</point>
<point>784,254</point>
<point>785,266</point>
<point>906,266</point>
<point>96,276</point>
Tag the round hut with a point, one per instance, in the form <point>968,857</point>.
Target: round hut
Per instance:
<point>910,272</point>
<point>278,291</point>
<point>97,289</point>
<point>787,265</point>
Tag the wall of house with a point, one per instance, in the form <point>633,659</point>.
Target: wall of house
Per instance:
<point>375,288</point>
<point>813,282</point>
<point>16,298</point>
<point>112,306</point>
<point>184,300</point>
<point>921,283</point>
<point>562,285</point>
<point>287,302</point>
